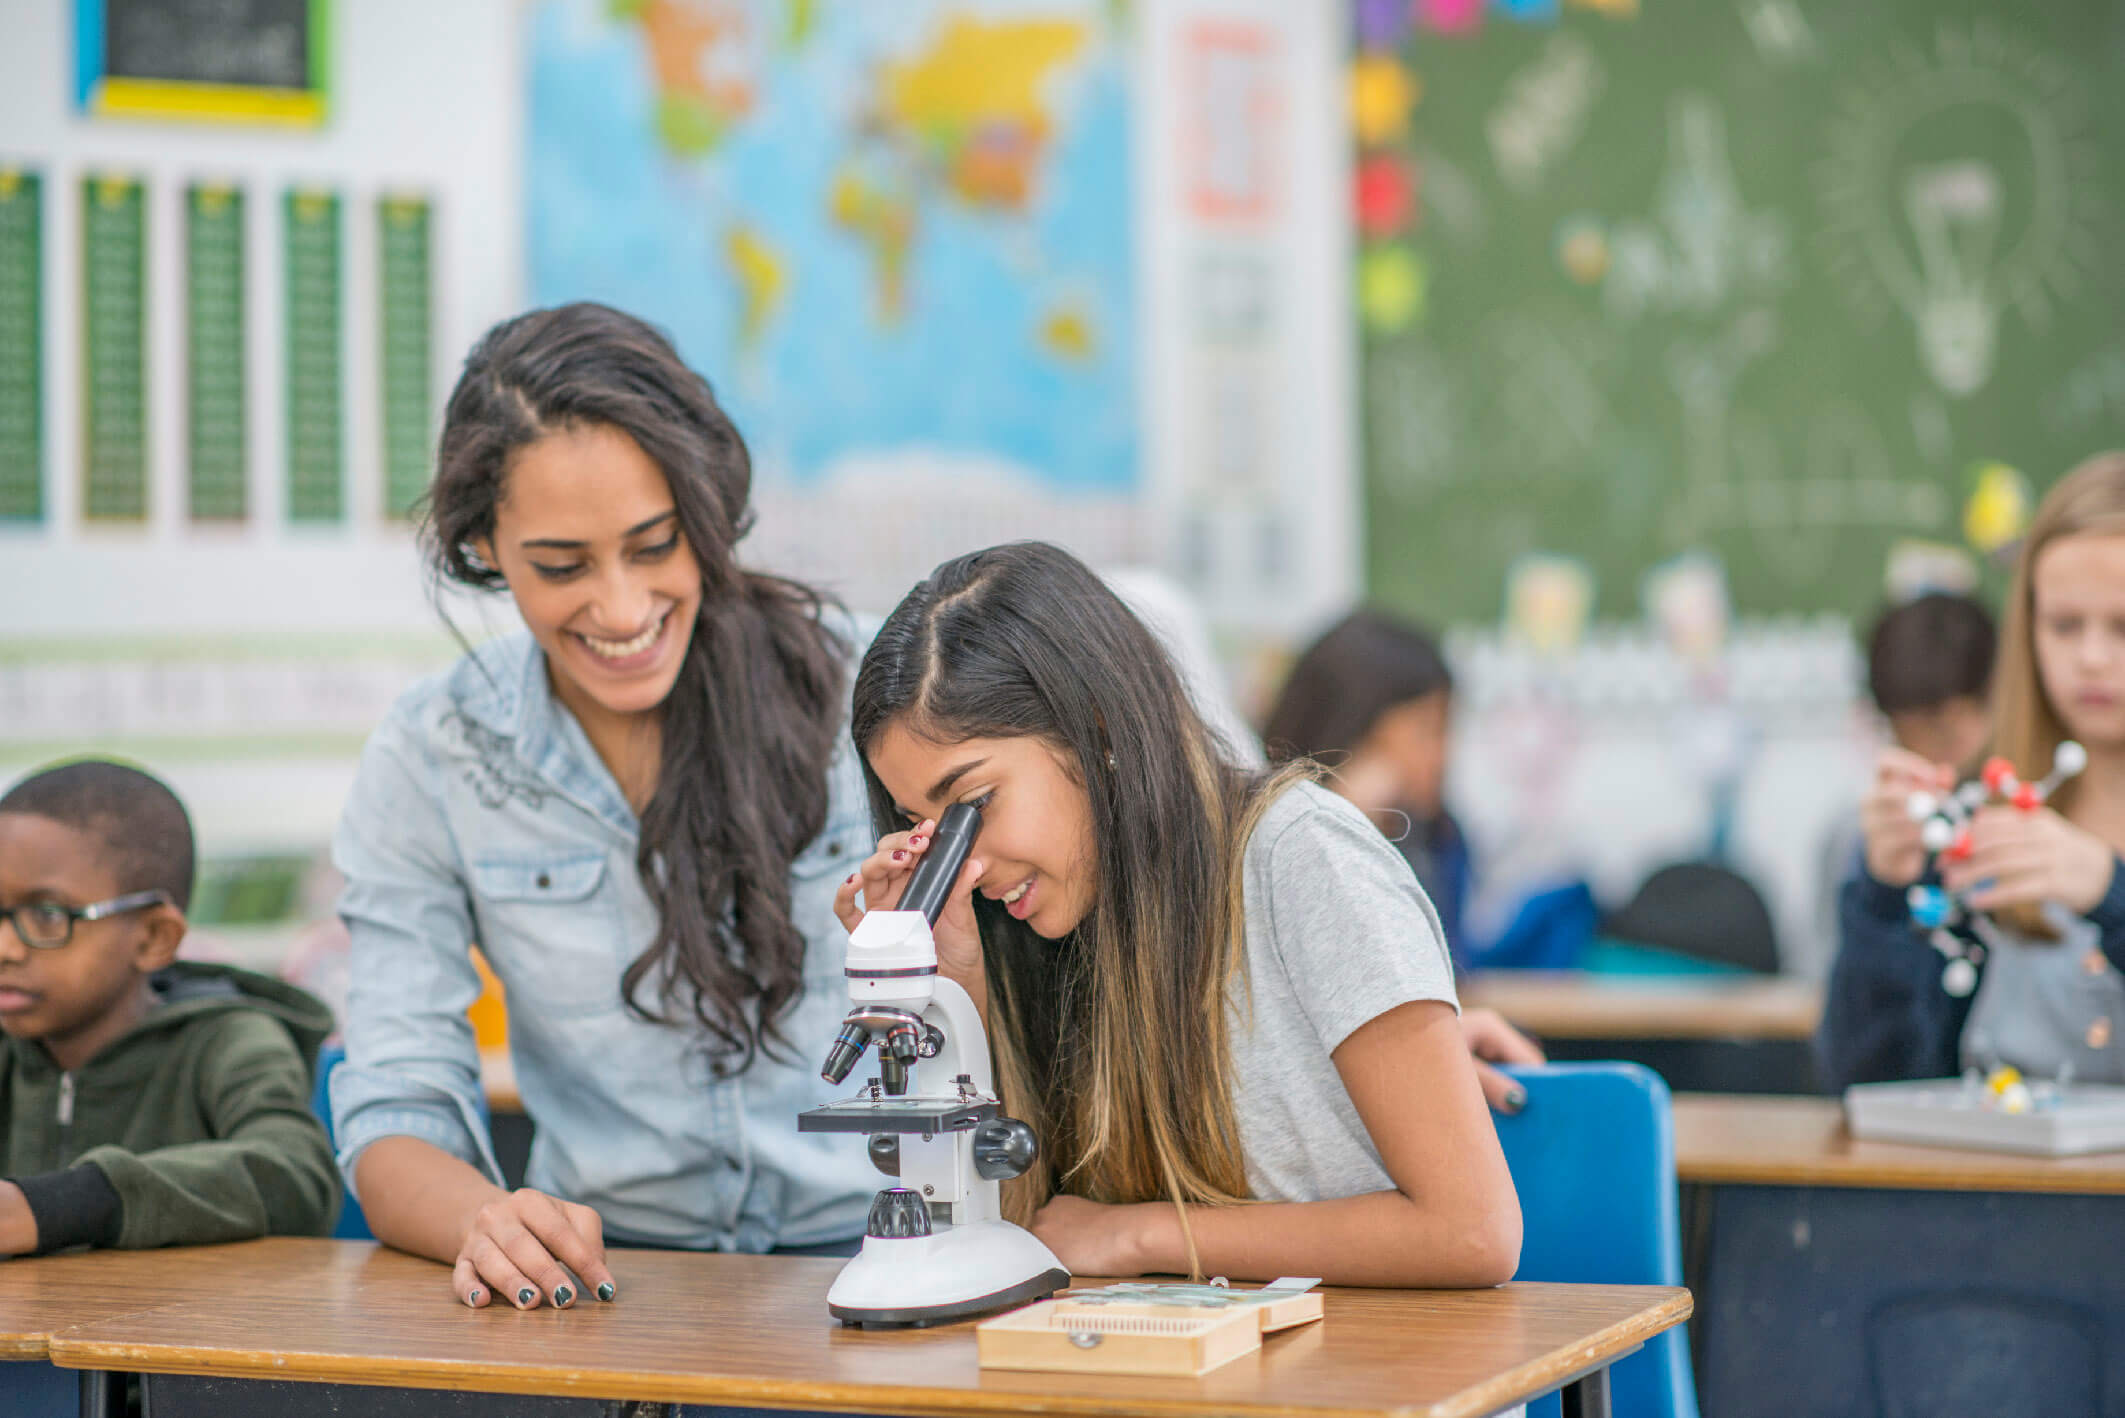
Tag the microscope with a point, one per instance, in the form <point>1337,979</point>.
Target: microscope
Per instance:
<point>936,1247</point>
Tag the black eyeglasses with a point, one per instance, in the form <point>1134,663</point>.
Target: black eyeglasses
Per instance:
<point>47,925</point>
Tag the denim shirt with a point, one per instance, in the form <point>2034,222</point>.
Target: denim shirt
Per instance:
<point>481,813</point>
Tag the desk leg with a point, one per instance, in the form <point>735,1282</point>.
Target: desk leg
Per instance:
<point>1587,1397</point>
<point>102,1394</point>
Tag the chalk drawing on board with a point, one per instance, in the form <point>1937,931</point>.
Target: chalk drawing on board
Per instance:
<point>1916,217</point>
<point>1445,192</point>
<point>1779,31</point>
<point>1742,481</point>
<point>1703,246</point>
<point>1411,399</point>
<point>1545,404</point>
<point>1543,110</point>
<point>2093,395</point>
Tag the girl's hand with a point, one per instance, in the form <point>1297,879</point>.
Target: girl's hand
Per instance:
<point>516,1248</point>
<point>2027,858</point>
<point>1895,855</point>
<point>1092,1239</point>
<point>1490,1041</point>
<point>884,876</point>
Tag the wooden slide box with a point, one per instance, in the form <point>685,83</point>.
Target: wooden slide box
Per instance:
<point>1070,1336</point>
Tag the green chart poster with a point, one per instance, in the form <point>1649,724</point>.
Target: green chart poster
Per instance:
<point>214,349</point>
<point>21,338</point>
<point>312,262</point>
<point>402,240</point>
<point>114,346</point>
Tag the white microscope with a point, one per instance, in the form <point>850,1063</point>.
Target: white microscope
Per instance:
<point>937,1247</point>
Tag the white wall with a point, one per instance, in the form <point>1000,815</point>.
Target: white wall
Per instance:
<point>426,97</point>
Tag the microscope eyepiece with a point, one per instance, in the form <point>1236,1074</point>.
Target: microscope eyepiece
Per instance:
<point>931,885</point>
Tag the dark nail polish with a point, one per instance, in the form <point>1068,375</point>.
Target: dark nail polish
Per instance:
<point>563,1296</point>
<point>605,1291</point>
<point>900,856</point>
<point>851,881</point>
<point>526,1295</point>
<point>472,1297</point>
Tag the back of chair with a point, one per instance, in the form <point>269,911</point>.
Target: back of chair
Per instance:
<point>352,1226</point>
<point>1593,1159</point>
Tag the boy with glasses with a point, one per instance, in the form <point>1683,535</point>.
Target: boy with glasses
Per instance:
<point>144,1101</point>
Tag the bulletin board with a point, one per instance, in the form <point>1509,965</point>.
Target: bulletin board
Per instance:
<point>237,61</point>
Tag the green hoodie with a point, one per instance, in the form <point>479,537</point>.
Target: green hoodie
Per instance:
<point>195,1127</point>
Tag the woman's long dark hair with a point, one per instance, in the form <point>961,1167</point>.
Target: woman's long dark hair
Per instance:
<point>749,725</point>
<point>1113,1043</point>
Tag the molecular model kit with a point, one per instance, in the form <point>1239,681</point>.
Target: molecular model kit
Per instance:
<point>1945,831</point>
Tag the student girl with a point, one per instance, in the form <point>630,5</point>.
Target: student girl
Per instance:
<point>1205,986</point>
<point>2049,995</point>
<point>639,807</point>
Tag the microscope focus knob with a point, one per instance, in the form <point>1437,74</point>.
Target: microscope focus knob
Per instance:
<point>898,1213</point>
<point>1003,1149</point>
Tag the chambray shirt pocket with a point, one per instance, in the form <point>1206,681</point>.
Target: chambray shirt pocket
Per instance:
<point>551,925</point>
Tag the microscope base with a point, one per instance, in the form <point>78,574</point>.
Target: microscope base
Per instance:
<point>955,1273</point>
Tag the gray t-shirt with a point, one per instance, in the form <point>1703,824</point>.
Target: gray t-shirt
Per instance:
<point>1338,933</point>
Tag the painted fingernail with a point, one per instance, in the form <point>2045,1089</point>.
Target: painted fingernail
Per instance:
<point>526,1295</point>
<point>605,1292</point>
<point>851,881</point>
<point>1515,1100</point>
<point>473,1296</point>
<point>900,856</point>
<point>916,842</point>
<point>563,1296</point>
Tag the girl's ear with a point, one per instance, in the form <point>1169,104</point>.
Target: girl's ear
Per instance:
<point>163,930</point>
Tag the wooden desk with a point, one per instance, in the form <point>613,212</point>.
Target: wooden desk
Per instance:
<point>40,1295</point>
<point>1571,1004</point>
<point>1802,1142</point>
<point>753,1330</point>
<point>1716,1033</point>
<point>1914,1279</point>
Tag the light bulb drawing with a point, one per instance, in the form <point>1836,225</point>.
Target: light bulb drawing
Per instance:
<point>1959,185</point>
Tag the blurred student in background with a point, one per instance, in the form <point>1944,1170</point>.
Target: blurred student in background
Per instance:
<point>2048,994</point>
<point>1929,669</point>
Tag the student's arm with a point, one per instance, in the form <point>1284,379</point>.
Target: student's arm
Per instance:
<point>268,1169</point>
<point>1885,1015</point>
<point>1453,1219</point>
<point>406,1103</point>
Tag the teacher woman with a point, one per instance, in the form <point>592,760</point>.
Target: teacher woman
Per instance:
<point>640,809</point>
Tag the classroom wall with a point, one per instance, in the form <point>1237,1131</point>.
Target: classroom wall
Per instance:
<point>424,99</point>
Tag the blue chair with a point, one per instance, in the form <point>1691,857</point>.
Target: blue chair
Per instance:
<point>353,1226</point>
<point>33,1388</point>
<point>1593,1158</point>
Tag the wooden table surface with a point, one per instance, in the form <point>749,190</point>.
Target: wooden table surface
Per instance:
<point>753,1330</point>
<point>40,1295</point>
<point>1748,1140</point>
<point>1573,1004</point>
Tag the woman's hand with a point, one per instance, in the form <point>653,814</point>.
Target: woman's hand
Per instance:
<point>1895,854</point>
<point>884,876</point>
<point>1093,1239</point>
<point>2028,858</point>
<point>517,1245</point>
<point>1490,1041</point>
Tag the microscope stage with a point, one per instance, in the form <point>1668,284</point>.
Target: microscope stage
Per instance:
<point>927,1116</point>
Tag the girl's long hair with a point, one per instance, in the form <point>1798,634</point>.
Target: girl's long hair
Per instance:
<point>749,725</point>
<point>2026,725</point>
<point>1113,1043</point>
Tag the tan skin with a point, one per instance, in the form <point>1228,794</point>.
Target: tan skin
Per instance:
<point>587,538</point>
<point>1400,766</point>
<point>78,999</point>
<point>1452,1219</point>
<point>2078,587</point>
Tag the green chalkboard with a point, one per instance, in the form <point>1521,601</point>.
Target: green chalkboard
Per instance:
<point>1767,279</point>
